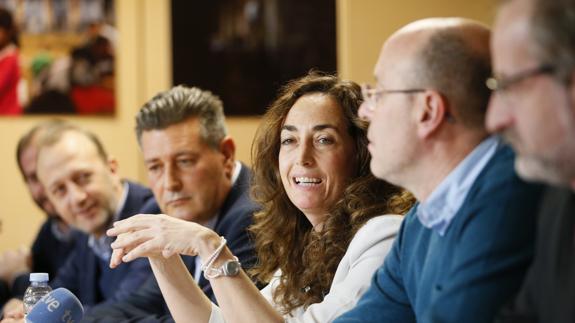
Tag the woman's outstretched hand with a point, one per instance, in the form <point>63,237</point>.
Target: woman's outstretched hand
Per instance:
<point>154,235</point>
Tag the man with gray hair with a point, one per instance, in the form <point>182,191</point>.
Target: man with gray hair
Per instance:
<point>464,248</point>
<point>533,107</point>
<point>189,158</point>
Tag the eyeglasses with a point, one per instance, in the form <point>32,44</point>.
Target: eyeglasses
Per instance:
<point>372,95</point>
<point>496,84</point>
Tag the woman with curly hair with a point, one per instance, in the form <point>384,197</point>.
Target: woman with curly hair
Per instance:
<point>320,234</point>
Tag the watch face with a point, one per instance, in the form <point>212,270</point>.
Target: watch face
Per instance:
<point>232,268</point>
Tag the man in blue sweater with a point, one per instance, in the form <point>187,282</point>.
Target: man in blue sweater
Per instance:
<point>463,250</point>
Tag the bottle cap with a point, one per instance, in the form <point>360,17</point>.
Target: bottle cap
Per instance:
<point>39,277</point>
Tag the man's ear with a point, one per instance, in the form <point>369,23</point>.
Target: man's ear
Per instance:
<point>228,150</point>
<point>113,164</point>
<point>432,114</point>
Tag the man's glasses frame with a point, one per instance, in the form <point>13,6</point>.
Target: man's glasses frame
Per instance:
<point>371,95</point>
<point>501,84</point>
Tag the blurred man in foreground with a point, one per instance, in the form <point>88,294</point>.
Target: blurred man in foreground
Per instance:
<point>533,107</point>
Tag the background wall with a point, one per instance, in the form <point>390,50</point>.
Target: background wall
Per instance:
<point>144,69</point>
<point>363,26</point>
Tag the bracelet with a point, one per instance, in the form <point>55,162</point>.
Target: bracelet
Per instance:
<point>214,256</point>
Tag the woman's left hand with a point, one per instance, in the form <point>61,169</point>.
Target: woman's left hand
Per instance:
<point>154,235</point>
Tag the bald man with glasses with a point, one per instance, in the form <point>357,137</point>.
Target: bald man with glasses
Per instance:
<point>463,249</point>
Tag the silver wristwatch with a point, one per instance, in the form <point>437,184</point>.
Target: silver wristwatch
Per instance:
<point>230,268</point>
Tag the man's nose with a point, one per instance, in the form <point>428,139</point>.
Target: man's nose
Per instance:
<point>499,114</point>
<point>365,111</point>
<point>77,194</point>
<point>171,179</point>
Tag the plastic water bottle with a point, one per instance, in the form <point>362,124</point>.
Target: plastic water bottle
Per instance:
<point>37,289</point>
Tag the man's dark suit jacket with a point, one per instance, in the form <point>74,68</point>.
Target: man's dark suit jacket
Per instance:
<point>49,254</point>
<point>548,293</point>
<point>4,293</point>
<point>89,277</point>
<point>147,304</point>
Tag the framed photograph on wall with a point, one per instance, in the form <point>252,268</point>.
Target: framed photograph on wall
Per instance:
<point>64,51</point>
<point>244,50</point>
